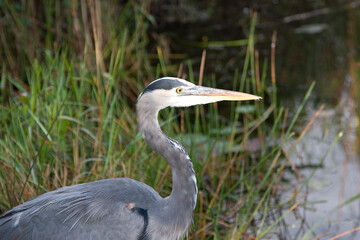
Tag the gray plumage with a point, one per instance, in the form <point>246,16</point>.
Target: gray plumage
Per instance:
<point>122,208</point>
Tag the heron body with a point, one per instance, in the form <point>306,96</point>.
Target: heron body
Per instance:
<point>122,208</point>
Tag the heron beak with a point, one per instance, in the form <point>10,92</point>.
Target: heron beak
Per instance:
<point>220,94</point>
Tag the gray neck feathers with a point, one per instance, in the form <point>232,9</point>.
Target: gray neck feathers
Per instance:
<point>184,191</point>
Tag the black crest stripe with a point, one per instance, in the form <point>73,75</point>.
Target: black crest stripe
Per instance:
<point>165,84</point>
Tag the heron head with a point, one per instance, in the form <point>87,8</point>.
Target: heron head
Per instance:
<point>176,92</point>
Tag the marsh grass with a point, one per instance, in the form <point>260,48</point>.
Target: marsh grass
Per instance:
<point>68,89</point>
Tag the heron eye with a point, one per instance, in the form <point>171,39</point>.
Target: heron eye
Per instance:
<point>179,90</point>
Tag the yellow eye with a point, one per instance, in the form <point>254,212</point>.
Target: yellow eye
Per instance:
<point>179,90</point>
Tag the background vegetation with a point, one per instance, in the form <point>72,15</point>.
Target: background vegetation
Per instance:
<point>70,75</point>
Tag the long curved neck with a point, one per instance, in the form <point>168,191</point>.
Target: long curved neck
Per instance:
<point>184,191</point>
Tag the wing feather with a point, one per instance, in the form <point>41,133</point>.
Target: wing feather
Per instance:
<point>81,211</point>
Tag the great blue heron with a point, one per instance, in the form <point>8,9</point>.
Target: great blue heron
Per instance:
<point>122,208</point>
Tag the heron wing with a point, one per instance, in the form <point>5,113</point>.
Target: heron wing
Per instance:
<point>96,210</point>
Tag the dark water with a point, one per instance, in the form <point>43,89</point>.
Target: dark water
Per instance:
<point>316,41</point>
